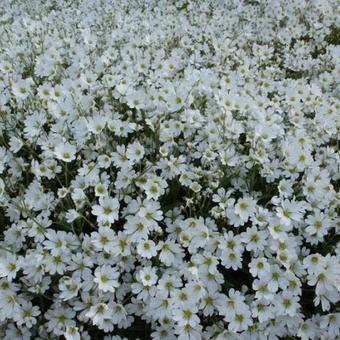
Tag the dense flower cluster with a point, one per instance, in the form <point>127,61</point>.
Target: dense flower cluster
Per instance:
<point>169,170</point>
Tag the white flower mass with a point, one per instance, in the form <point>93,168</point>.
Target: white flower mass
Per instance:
<point>169,169</point>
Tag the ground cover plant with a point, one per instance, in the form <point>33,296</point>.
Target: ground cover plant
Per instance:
<point>169,169</point>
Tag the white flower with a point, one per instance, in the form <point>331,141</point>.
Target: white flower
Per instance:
<point>71,215</point>
<point>291,211</point>
<point>98,313</point>
<point>96,124</point>
<point>107,210</point>
<point>148,276</point>
<point>245,208</point>
<point>287,304</point>
<point>103,239</point>
<point>9,266</point>
<point>259,267</point>
<point>241,320</point>
<point>72,333</point>
<point>317,224</point>
<point>65,152</point>
<point>147,249</point>
<point>170,167</point>
<point>186,315</point>
<point>107,278</point>
<point>27,315</point>
<point>118,313</point>
<point>69,287</point>
<point>135,152</point>
<point>22,88</point>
